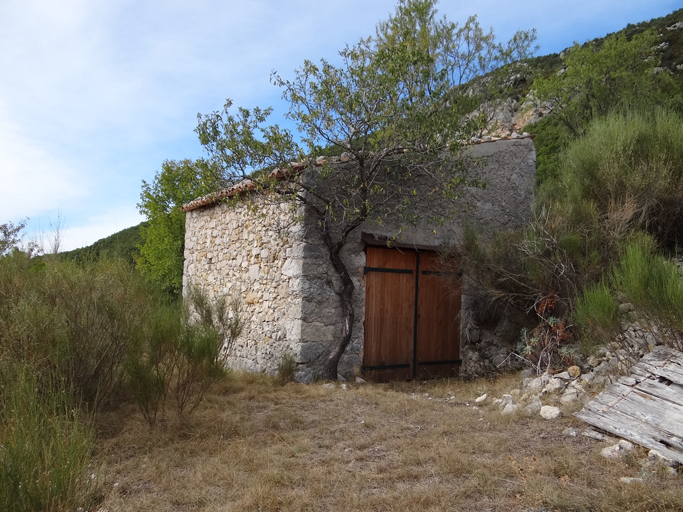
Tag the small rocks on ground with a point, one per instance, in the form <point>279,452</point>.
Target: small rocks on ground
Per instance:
<point>481,398</point>
<point>511,408</point>
<point>618,450</point>
<point>534,406</point>
<point>572,432</point>
<point>505,401</point>
<point>329,385</point>
<point>630,480</point>
<point>359,380</point>
<point>549,412</point>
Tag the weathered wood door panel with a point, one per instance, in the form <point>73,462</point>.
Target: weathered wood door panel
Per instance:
<point>438,320</point>
<point>389,314</point>
<point>404,338</point>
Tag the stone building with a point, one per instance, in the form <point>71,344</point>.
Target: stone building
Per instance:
<point>408,308</point>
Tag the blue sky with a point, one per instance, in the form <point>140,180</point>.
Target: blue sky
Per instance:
<point>95,95</point>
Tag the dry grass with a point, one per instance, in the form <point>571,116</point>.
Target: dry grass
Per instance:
<point>257,446</point>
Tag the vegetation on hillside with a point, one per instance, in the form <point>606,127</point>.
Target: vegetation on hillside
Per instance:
<point>121,245</point>
<point>81,337</point>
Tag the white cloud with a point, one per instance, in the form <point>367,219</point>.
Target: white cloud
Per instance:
<point>86,232</point>
<point>95,94</point>
<point>33,179</point>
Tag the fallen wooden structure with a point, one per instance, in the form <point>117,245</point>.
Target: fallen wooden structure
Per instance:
<point>647,407</point>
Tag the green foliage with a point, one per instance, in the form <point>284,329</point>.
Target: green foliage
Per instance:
<point>597,80</point>
<point>625,174</point>
<point>121,245</point>
<point>162,251</point>
<point>45,447</point>
<point>621,184</point>
<point>650,282</point>
<point>9,236</point>
<point>595,313</point>
<point>286,368</point>
<point>552,137</point>
<point>70,322</point>
<point>182,351</point>
<point>103,332</point>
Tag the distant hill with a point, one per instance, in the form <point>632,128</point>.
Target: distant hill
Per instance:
<point>119,245</point>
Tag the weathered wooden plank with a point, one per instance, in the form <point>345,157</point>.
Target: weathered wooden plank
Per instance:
<point>642,409</point>
<point>661,391</point>
<point>626,428</point>
<point>641,406</point>
<point>671,372</point>
<point>619,420</point>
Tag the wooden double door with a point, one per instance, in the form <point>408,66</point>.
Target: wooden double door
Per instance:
<point>412,316</point>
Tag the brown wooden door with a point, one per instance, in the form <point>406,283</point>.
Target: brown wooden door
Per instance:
<point>389,314</point>
<point>403,341</point>
<point>438,319</point>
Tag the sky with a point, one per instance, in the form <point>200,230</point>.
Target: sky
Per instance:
<point>95,95</point>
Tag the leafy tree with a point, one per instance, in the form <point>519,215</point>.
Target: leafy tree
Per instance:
<point>391,107</point>
<point>9,236</point>
<point>594,80</point>
<point>162,251</point>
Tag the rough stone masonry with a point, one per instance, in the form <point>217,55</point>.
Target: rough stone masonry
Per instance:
<point>260,251</point>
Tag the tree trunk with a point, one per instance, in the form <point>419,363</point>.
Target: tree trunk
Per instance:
<point>346,303</point>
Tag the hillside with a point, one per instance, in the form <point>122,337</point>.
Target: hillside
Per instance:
<point>122,244</point>
<point>517,112</point>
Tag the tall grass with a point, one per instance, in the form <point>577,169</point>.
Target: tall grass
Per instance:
<point>651,282</point>
<point>78,337</point>
<point>45,448</point>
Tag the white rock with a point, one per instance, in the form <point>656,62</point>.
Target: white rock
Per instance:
<point>534,385</point>
<point>511,409</point>
<point>618,450</point>
<point>506,400</point>
<point>549,412</point>
<point>344,386</point>
<point>570,432</point>
<point>563,376</point>
<point>329,385</point>
<point>553,385</point>
<point>630,480</point>
<point>625,445</point>
<point>481,398</point>
<point>655,457</point>
<point>359,380</point>
<point>534,406</point>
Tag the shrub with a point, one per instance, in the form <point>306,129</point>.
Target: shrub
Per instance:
<point>650,282</point>
<point>45,448</point>
<point>286,369</point>
<point>595,313</point>
<point>71,322</point>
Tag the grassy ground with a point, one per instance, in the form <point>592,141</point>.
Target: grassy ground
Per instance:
<point>258,446</point>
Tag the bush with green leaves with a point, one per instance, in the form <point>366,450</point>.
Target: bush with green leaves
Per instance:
<point>71,322</point>
<point>45,447</point>
<point>618,187</point>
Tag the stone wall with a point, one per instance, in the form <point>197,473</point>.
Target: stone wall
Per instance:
<point>289,286</point>
<point>249,248</point>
